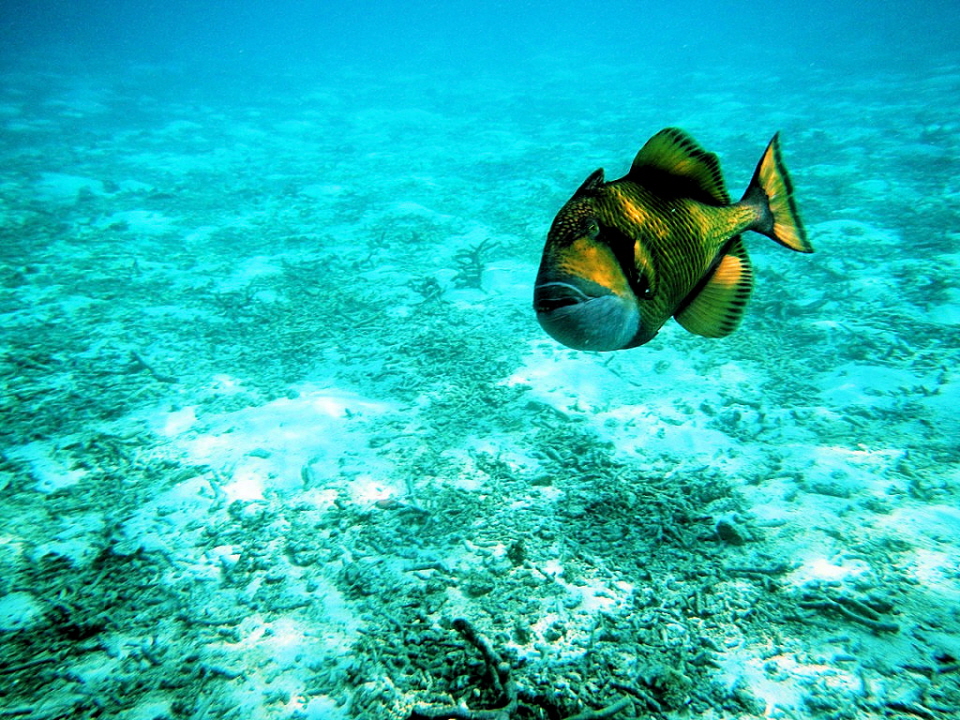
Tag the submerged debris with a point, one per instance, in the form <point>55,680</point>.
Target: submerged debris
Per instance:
<point>470,264</point>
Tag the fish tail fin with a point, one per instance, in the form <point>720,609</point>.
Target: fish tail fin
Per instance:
<point>771,193</point>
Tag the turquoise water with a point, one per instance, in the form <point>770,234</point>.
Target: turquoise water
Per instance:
<point>277,416</point>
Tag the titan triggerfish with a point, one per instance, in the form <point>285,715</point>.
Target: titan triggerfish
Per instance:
<point>663,241</point>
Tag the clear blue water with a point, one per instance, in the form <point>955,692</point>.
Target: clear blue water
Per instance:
<point>276,410</point>
<point>498,38</point>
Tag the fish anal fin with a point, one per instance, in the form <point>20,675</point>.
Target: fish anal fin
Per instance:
<point>675,163</point>
<point>715,310</point>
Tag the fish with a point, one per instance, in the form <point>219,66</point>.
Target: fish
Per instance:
<point>623,257</point>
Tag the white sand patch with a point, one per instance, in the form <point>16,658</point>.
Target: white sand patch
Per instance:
<point>803,516</point>
<point>664,427</point>
<point>320,191</point>
<point>180,127</point>
<point>78,538</point>
<point>875,186</point>
<point>769,501</point>
<point>948,312</point>
<point>866,385</point>
<point>200,234</point>
<point>134,187</point>
<point>843,472</point>
<point>509,279</point>
<point>64,188</point>
<point>19,610</point>
<point>563,379</point>
<point>140,222</point>
<point>284,653</point>
<point>937,570</point>
<point>176,421</point>
<point>174,311</point>
<point>815,567</point>
<point>321,707</point>
<point>288,445</point>
<point>843,233</point>
<point>876,290</point>
<point>469,477</point>
<point>589,595</point>
<point>149,709</point>
<point>172,164</point>
<point>929,526</point>
<point>505,448</point>
<point>80,99</point>
<point>47,469</point>
<point>944,404</point>
<point>252,268</point>
<point>780,680</point>
<point>409,208</point>
<point>286,642</point>
<point>653,409</point>
<point>161,525</point>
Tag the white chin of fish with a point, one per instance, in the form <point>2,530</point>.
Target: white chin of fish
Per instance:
<point>600,323</point>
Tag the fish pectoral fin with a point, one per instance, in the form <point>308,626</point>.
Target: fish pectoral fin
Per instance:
<point>715,310</point>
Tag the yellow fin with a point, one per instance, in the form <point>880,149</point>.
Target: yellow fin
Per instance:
<point>717,308</point>
<point>674,164</point>
<point>781,219</point>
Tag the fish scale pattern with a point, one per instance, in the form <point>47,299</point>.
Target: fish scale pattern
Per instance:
<point>681,236</point>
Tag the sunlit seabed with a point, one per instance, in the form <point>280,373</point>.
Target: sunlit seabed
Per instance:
<point>276,409</point>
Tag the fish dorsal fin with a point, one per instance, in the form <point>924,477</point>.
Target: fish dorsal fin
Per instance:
<point>716,308</point>
<point>592,183</point>
<point>673,163</point>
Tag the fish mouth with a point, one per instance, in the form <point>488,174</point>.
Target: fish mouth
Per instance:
<point>584,315</point>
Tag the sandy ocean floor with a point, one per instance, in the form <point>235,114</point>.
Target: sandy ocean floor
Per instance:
<point>282,438</point>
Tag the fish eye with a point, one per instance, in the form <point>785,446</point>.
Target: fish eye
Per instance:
<point>613,238</point>
<point>623,248</point>
<point>591,228</point>
<point>642,287</point>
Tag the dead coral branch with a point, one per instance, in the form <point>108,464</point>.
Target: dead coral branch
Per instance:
<point>505,688</point>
